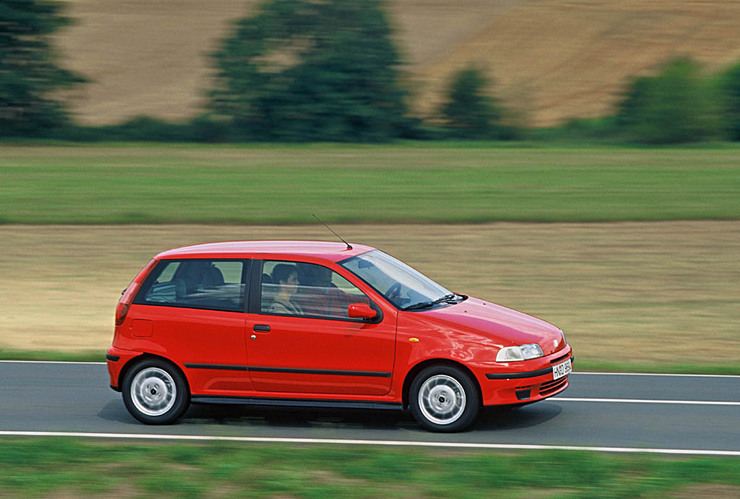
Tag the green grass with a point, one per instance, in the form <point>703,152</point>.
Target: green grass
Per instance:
<point>412,182</point>
<point>62,466</point>
<point>89,356</point>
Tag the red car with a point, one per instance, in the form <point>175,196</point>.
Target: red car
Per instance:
<point>323,325</point>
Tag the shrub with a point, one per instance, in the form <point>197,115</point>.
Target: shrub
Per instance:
<point>730,101</point>
<point>469,112</point>
<point>141,128</point>
<point>676,105</point>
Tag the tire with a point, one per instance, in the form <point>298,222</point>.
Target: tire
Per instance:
<point>155,392</point>
<point>444,399</point>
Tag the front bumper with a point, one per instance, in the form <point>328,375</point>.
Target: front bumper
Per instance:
<point>505,386</point>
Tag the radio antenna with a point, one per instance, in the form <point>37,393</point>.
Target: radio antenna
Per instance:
<point>349,246</point>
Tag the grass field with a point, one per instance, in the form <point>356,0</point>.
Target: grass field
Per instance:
<point>656,295</point>
<point>408,183</point>
<point>69,468</point>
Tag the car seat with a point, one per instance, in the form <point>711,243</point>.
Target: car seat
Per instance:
<point>213,277</point>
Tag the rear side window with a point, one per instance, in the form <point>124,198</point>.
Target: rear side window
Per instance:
<point>208,284</point>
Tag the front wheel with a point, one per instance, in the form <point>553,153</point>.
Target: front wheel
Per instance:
<point>444,399</point>
<point>155,392</point>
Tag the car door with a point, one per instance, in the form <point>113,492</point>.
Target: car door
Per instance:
<point>303,341</point>
<point>194,312</point>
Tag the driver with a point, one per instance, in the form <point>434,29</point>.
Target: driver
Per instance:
<point>285,276</point>
<point>318,295</point>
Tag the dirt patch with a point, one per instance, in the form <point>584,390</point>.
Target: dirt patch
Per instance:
<point>715,491</point>
<point>653,292</point>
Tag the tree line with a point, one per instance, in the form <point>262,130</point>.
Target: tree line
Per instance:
<point>328,70</point>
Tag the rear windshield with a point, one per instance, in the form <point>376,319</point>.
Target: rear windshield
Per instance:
<point>206,284</point>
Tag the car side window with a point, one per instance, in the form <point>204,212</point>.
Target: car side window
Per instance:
<point>307,289</point>
<point>206,284</point>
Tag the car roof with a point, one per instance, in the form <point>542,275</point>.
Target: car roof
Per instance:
<point>330,251</point>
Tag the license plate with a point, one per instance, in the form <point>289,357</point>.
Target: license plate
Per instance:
<point>560,370</point>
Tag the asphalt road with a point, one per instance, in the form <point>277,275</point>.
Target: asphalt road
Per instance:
<point>658,412</point>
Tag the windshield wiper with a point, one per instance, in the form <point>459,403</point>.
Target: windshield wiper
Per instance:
<point>448,298</point>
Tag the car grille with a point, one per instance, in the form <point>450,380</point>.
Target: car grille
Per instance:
<point>552,386</point>
<point>544,389</point>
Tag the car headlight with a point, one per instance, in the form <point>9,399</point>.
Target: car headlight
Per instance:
<point>522,352</point>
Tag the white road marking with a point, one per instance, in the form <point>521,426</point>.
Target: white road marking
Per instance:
<point>391,443</point>
<point>645,401</point>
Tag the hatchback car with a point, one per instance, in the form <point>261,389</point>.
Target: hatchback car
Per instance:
<point>322,325</point>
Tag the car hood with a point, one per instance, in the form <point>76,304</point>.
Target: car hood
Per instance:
<point>499,325</point>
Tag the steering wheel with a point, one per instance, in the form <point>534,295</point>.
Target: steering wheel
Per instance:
<point>394,292</point>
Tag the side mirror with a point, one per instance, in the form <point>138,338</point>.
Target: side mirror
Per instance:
<point>361,311</point>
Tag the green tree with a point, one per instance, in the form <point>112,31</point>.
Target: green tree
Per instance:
<point>311,70</point>
<point>29,75</point>
<point>676,105</point>
<point>730,101</point>
<point>469,112</point>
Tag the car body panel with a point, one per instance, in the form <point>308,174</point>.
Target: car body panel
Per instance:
<point>310,355</point>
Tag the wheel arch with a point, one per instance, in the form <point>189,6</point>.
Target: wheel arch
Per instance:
<point>414,371</point>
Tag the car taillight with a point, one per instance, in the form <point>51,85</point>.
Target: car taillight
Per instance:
<point>125,302</point>
<point>121,311</point>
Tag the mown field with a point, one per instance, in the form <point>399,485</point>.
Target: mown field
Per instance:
<point>70,468</point>
<point>408,183</point>
<point>652,287</point>
<point>663,295</point>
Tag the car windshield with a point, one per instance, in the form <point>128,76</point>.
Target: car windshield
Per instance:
<point>403,286</point>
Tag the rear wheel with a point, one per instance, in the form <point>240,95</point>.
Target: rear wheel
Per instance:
<point>444,399</point>
<point>155,392</point>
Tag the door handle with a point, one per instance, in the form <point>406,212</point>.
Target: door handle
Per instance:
<point>261,328</point>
